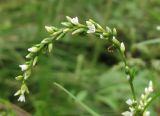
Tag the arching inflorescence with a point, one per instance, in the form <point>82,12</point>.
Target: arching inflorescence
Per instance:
<point>91,27</point>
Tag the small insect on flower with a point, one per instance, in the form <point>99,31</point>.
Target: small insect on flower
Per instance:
<point>91,27</point>
<point>75,20</point>
<point>23,67</point>
<point>21,98</point>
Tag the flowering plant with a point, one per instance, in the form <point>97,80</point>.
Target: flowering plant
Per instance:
<point>136,107</point>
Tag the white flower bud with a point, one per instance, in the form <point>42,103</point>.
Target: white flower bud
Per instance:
<point>122,47</point>
<point>33,49</point>
<point>50,47</point>
<point>150,88</point>
<point>23,67</point>
<point>49,29</point>
<point>35,60</point>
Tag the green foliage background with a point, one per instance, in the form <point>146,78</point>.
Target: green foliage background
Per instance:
<point>83,65</point>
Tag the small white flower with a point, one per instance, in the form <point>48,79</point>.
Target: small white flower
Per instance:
<point>21,98</point>
<point>129,102</point>
<point>127,113</point>
<point>158,27</point>
<point>33,49</point>
<point>147,113</point>
<point>91,27</point>
<point>23,67</point>
<point>75,20</point>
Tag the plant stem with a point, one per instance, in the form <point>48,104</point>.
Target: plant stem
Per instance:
<point>130,75</point>
<point>132,89</point>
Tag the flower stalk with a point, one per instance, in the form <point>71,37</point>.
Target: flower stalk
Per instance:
<point>91,27</point>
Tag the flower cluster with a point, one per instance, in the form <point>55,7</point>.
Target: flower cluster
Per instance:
<point>71,25</point>
<point>138,107</point>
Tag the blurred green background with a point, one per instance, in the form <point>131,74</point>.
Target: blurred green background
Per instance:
<point>82,65</point>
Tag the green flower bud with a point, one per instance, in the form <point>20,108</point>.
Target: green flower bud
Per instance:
<point>50,29</point>
<point>108,29</point>
<point>18,78</point>
<point>35,60</point>
<point>50,47</point>
<point>78,31</point>
<point>30,55</point>
<point>27,74</point>
<point>33,49</point>
<point>114,31</point>
<point>67,24</point>
<point>69,18</point>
